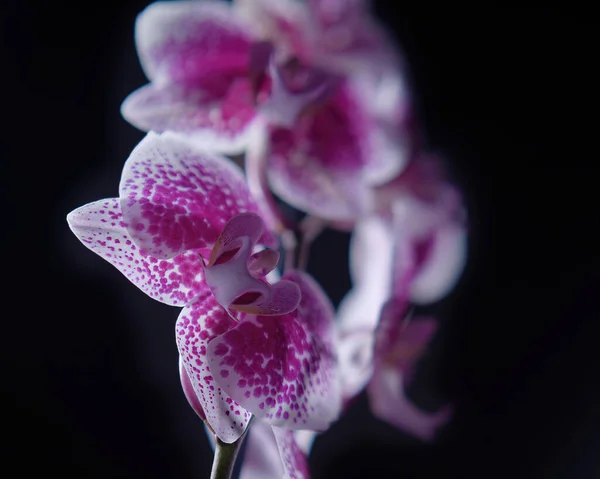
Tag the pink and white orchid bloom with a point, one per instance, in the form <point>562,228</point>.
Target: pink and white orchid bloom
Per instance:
<point>320,82</point>
<point>412,252</point>
<point>271,452</point>
<point>184,230</point>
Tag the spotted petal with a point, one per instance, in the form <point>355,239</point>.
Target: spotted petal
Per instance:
<point>283,368</point>
<point>261,459</point>
<point>198,324</point>
<point>175,197</point>
<point>100,227</point>
<point>189,392</point>
<point>194,42</point>
<point>294,461</point>
<point>217,119</point>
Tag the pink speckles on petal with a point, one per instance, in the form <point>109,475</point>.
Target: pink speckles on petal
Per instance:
<point>100,227</point>
<point>286,363</point>
<point>216,120</point>
<point>191,40</point>
<point>262,459</point>
<point>318,166</point>
<point>175,198</point>
<point>197,326</point>
<point>294,461</point>
<point>189,392</point>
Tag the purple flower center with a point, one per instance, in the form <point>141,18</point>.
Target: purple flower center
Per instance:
<point>236,275</point>
<point>293,87</point>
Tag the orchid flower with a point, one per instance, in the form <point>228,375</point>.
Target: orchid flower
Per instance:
<point>271,452</point>
<point>316,87</point>
<point>187,232</point>
<point>411,252</point>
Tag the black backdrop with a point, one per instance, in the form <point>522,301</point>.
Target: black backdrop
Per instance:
<point>89,383</point>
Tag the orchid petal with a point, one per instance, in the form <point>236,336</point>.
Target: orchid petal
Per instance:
<point>348,37</point>
<point>262,263</point>
<point>294,461</point>
<point>230,279</point>
<point>191,41</point>
<point>284,298</point>
<point>355,352</point>
<point>441,271</point>
<point>305,439</point>
<point>400,340</point>
<point>189,392</point>
<point>399,345</point>
<point>282,368</point>
<point>389,402</point>
<point>371,246</point>
<point>100,227</point>
<point>317,167</point>
<point>199,325</point>
<point>217,119</point>
<point>285,23</point>
<point>430,251</point>
<point>175,198</point>
<point>248,225</point>
<point>261,459</point>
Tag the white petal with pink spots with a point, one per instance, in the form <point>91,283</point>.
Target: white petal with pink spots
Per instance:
<point>100,227</point>
<point>175,197</point>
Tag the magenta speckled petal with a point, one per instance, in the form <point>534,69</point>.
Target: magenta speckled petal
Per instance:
<point>189,392</point>
<point>283,368</point>
<point>175,197</point>
<point>191,41</point>
<point>261,459</point>
<point>197,326</point>
<point>294,461</point>
<point>317,167</point>
<point>218,119</point>
<point>262,263</point>
<point>100,227</point>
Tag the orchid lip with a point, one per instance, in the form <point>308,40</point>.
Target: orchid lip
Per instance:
<point>236,275</point>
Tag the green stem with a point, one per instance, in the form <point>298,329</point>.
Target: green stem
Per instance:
<point>225,456</point>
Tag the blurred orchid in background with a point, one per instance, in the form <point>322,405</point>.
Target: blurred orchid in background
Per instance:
<point>314,96</point>
<point>411,252</point>
<point>321,84</point>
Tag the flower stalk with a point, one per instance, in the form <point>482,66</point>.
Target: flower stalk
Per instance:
<point>226,455</point>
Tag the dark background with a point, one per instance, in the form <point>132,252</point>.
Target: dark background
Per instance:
<point>90,387</point>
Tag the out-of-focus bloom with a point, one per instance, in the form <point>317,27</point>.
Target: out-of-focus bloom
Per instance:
<point>321,77</point>
<point>184,231</point>
<point>411,252</point>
